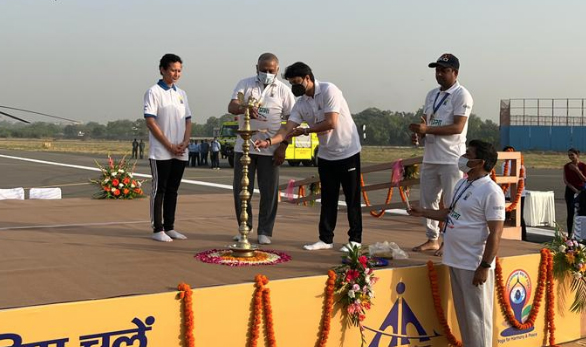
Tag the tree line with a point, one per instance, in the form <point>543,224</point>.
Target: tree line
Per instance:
<point>382,128</point>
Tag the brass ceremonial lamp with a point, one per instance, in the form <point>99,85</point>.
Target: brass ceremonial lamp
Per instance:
<point>243,248</point>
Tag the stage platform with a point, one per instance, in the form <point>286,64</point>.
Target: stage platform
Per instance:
<point>75,271</point>
<point>79,249</point>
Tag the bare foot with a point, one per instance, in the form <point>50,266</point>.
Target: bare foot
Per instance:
<point>429,245</point>
<point>440,251</point>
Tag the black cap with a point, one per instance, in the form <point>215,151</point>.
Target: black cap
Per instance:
<point>447,60</point>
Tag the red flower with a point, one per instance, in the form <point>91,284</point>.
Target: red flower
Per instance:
<point>115,182</point>
<point>126,180</point>
<point>351,275</point>
<point>138,190</point>
<point>363,260</point>
<point>125,191</point>
<point>107,188</point>
<point>117,192</point>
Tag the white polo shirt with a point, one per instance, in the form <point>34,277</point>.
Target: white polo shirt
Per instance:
<point>336,144</point>
<point>171,111</point>
<point>276,103</point>
<point>456,101</point>
<point>467,230</point>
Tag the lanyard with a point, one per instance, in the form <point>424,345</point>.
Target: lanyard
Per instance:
<point>437,107</point>
<point>458,196</point>
<point>455,200</point>
<point>265,90</point>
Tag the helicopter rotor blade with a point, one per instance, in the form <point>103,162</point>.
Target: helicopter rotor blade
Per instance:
<point>39,113</point>
<point>11,116</point>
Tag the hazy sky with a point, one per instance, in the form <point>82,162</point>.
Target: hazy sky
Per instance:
<point>92,60</point>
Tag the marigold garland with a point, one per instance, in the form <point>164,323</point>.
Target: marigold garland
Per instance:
<point>437,304</point>
<point>379,214</point>
<point>262,302</point>
<point>301,194</point>
<point>328,308</point>
<point>186,295</point>
<point>520,183</point>
<point>550,299</point>
<point>503,298</point>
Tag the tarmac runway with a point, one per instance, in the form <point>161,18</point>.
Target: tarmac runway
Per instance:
<point>72,171</point>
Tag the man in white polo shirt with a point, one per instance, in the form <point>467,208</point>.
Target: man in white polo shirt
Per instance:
<point>323,107</point>
<point>443,130</point>
<point>168,119</point>
<point>474,223</point>
<point>276,104</point>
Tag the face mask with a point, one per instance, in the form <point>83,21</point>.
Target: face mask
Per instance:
<point>298,89</point>
<point>266,78</point>
<point>463,164</point>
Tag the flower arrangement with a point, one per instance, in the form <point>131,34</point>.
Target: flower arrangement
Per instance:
<point>117,181</point>
<point>569,259</point>
<point>354,282</point>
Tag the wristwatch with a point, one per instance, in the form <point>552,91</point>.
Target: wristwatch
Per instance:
<point>485,265</point>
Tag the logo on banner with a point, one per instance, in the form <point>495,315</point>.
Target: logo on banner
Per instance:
<point>520,289</point>
<point>401,327</point>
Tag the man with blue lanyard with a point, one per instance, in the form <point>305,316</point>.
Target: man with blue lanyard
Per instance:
<point>472,232</point>
<point>443,132</point>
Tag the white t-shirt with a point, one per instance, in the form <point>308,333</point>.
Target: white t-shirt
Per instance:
<point>473,205</point>
<point>336,144</point>
<point>276,103</point>
<point>456,101</point>
<point>171,110</point>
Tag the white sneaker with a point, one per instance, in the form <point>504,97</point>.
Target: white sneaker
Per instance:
<point>161,236</point>
<point>176,235</point>
<point>319,245</point>
<point>346,248</point>
<point>237,237</point>
<point>264,240</point>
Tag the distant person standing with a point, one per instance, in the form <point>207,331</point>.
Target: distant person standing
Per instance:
<point>134,149</point>
<point>141,146</point>
<point>574,178</point>
<point>193,153</point>
<point>204,149</point>
<point>215,147</point>
<point>443,131</point>
<point>168,119</point>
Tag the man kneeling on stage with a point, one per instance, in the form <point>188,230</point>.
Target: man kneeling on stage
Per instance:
<point>473,228</point>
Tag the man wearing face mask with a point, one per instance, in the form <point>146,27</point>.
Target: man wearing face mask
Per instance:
<point>474,223</point>
<point>443,131</point>
<point>276,104</point>
<point>324,108</point>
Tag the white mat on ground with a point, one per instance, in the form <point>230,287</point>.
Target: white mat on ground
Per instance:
<point>45,193</point>
<point>12,193</point>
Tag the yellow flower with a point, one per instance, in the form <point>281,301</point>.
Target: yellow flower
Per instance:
<point>570,258</point>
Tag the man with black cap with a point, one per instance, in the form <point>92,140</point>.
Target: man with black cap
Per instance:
<point>443,131</point>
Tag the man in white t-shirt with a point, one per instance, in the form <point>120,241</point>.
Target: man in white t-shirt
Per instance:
<point>443,130</point>
<point>168,119</point>
<point>276,102</point>
<point>474,223</point>
<point>323,107</point>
